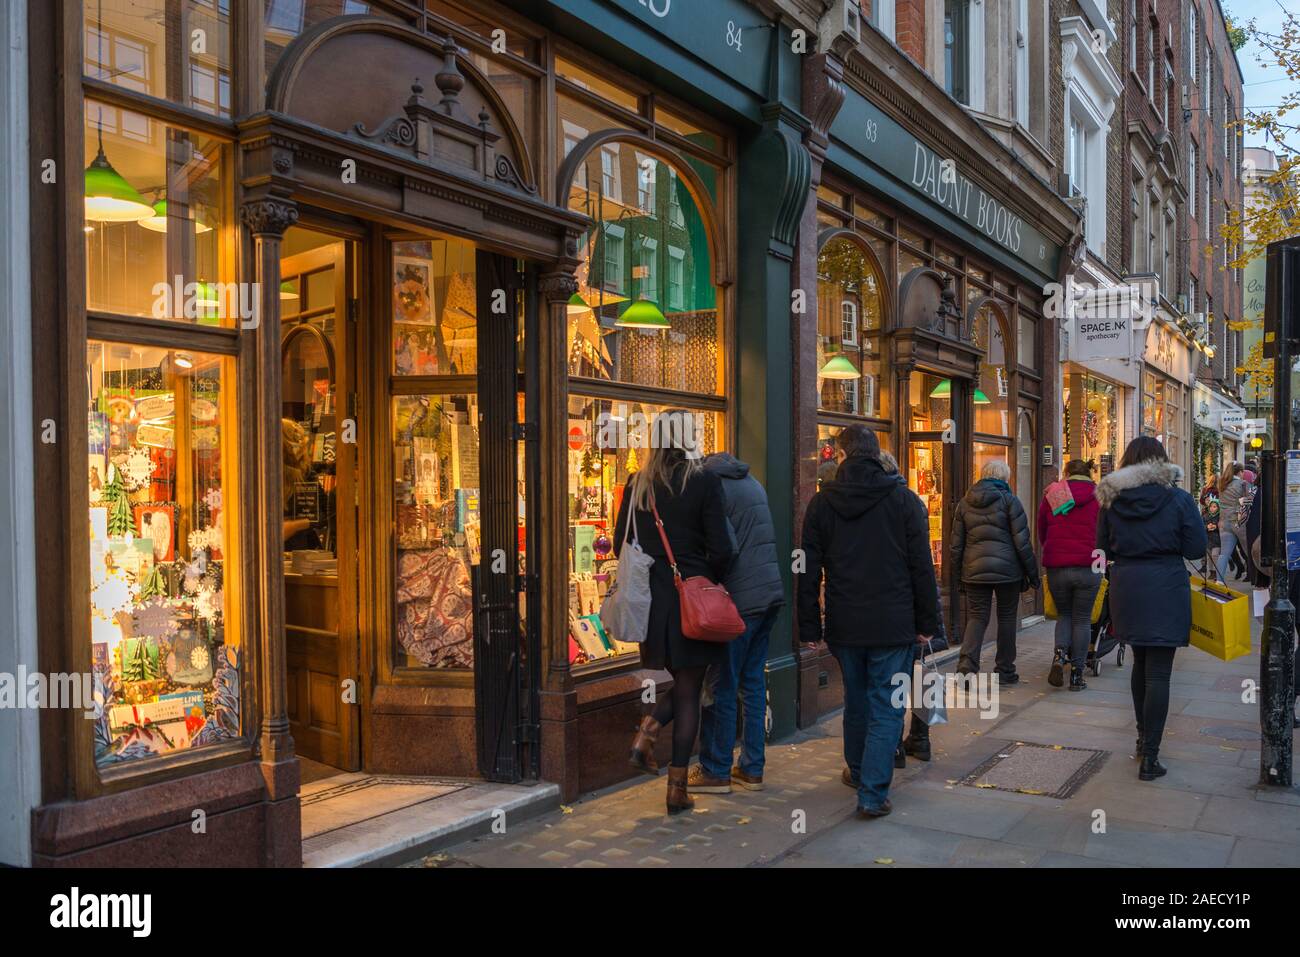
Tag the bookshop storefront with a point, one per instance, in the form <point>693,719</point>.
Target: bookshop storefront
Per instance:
<point>354,375</point>
<point>930,325</point>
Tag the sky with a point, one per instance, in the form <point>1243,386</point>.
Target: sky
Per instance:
<point>1262,88</point>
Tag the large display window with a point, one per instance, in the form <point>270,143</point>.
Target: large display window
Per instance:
<point>164,650</point>
<point>646,327</point>
<point>851,370</point>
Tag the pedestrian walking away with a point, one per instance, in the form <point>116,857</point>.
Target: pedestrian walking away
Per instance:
<point>690,504</point>
<point>1233,491</point>
<point>1147,527</point>
<point>994,555</point>
<point>754,581</point>
<point>1068,535</point>
<point>866,541</point>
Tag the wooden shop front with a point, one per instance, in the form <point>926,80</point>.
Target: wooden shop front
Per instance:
<point>365,361</point>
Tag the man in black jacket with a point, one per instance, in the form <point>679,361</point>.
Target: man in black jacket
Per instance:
<point>868,534</point>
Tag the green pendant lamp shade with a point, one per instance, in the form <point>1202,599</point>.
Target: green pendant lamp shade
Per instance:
<point>578,305</point>
<point>642,314</point>
<point>158,221</point>
<point>838,367</point>
<point>944,391</point>
<point>109,197</point>
<point>287,291</point>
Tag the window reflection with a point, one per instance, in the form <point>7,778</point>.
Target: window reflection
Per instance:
<point>849,366</point>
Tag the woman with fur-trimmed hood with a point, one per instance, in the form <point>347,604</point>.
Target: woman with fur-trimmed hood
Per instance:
<point>1146,528</point>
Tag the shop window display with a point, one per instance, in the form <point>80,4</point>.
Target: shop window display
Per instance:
<point>850,376</point>
<point>993,391</point>
<point>607,440</point>
<point>435,325</point>
<point>646,312</point>
<point>166,663</point>
<point>930,411</point>
<point>153,222</point>
<point>435,468</point>
<point>826,464</point>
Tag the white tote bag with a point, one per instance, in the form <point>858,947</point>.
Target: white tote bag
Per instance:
<point>625,612</point>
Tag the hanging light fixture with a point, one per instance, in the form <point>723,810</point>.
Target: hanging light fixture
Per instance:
<point>981,398</point>
<point>943,390</point>
<point>578,305</point>
<point>183,360</point>
<point>109,197</point>
<point>838,366</point>
<point>287,291</point>
<point>158,221</point>
<point>642,314</point>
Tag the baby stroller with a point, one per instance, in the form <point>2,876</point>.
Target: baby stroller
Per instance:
<point>1103,641</point>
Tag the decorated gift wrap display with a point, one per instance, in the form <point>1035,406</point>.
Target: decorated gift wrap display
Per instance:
<point>165,677</point>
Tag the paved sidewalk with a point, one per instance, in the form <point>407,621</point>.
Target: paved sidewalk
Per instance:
<point>1207,812</point>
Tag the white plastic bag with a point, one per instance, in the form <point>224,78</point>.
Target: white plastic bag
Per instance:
<point>932,709</point>
<point>625,612</point>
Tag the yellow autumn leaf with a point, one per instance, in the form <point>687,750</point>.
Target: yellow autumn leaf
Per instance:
<point>565,809</point>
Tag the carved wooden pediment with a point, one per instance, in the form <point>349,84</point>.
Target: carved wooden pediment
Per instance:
<point>928,301</point>
<point>390,86</point>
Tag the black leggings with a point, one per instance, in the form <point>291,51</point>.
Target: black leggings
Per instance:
<point>681,707</point>
<point>1152,666</point>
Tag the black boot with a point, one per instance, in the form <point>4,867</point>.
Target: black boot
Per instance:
<point>1056,677</point>
<point>1137,747</point>
<point>1151,768</point>
<point>900,756</point>
<point>917,742</point>
<point>1076,680</point>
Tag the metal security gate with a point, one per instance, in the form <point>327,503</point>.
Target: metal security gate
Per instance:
<point>505,685</point>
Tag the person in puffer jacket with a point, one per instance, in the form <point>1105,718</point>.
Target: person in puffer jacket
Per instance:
<point>754,583</point>
<point>1068,541</point>
<point>1148,527</point>
<point>994,555</point>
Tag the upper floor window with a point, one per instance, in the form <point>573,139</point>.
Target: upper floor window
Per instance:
<point>956,49</point>
<point>882,16</point>
<point>1077,156</point>
<point>849,322</point>
<point>1192,172</point>
<point>1193,42</point>
<point>1151,60</point>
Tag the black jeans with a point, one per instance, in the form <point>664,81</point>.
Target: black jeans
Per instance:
<point>1074,590</point>
<point>979,606</point>
<point>1152,666</point>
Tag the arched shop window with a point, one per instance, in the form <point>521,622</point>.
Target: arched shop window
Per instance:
<point>993,396</point>
<point>646,333</point>
<point>852,377</point>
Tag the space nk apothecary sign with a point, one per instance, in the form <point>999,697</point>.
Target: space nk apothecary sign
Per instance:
<point>914,166</point>
<point>730,35</point>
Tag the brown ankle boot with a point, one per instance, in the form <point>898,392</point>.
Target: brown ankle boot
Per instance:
<point>679,799</point>
<point>642,756</point>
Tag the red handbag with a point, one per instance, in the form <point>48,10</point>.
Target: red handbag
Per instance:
<point>708,613</point>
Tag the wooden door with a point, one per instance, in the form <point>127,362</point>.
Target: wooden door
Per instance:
<point>319,445</point>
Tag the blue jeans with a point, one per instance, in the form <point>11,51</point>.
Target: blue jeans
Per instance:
<point>1229,535</point>
<point>872,725</point>
<point>744,669</point>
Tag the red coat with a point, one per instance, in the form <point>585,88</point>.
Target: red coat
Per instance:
<point>1069,539</point>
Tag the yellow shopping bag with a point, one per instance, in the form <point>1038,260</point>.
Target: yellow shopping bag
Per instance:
<point>1220,619</point>
<point>1049,606</point>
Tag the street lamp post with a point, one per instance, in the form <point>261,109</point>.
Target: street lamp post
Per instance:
<point>1277,643</point>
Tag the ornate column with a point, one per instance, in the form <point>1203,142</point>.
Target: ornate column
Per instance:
<point>559,706</point>
<point>266,219</point>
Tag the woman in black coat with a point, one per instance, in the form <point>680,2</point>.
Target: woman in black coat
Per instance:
<point>994,555</point>
<point>1147,527</point>
<point>691,506</point>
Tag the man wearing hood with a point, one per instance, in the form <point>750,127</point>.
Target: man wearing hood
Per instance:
<point>1147,527</point>
<point>754,583</point>
<point>867,534</point>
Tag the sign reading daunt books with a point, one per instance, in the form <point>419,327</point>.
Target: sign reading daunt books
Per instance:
<point>865,136</point>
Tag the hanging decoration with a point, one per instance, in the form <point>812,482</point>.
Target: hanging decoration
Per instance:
<point>121,521</point>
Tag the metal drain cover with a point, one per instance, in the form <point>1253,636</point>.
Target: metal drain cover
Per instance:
<point>1231,732</point>
<point>1042,769</point>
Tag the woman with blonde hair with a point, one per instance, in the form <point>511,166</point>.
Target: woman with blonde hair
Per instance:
<point>674,488</point>
<point>1231,492</point>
